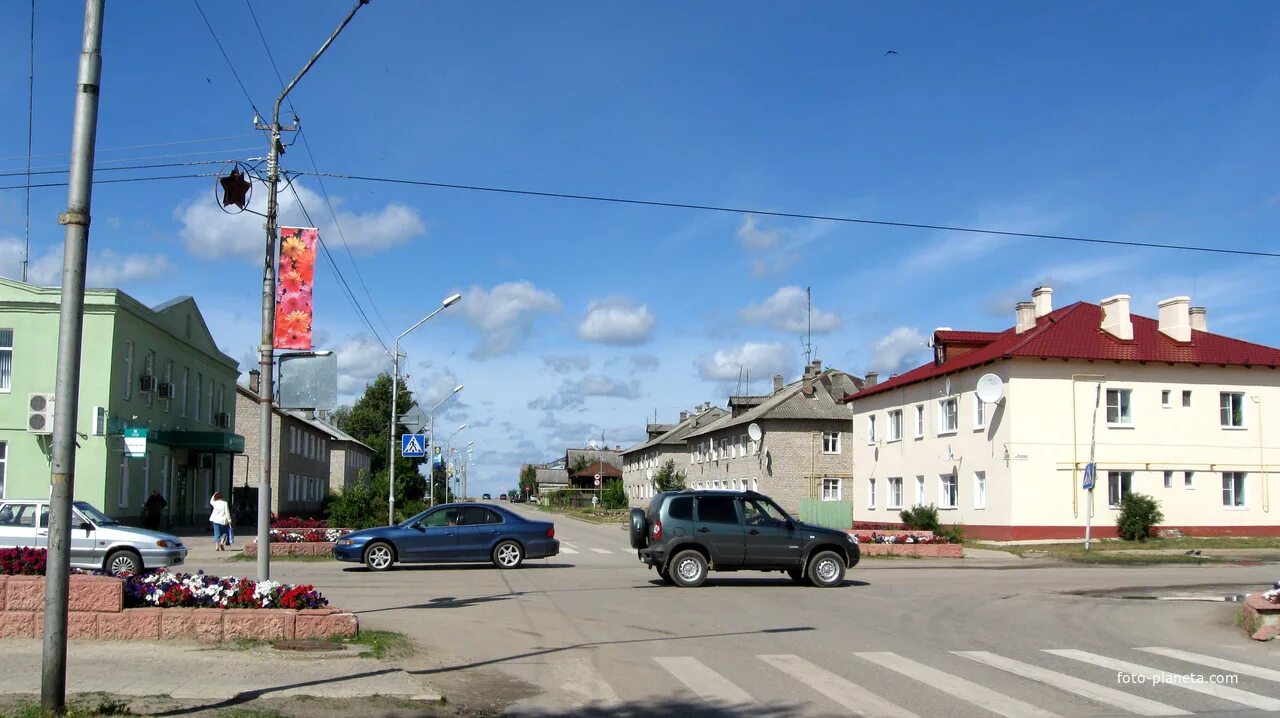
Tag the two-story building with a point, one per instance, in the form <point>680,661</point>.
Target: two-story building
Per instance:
<point>349,458</point>
<point>1161,406</point>
<point>301,472</point>
<point>665,442</point>
<point>152,372</point>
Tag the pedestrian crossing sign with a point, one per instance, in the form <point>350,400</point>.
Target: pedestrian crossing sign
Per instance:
<point>412,446</point>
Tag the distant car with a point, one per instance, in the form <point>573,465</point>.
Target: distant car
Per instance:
<point>452,533</point>
<point>502,497</point>
<point>487,497</point>
<point>98,542</point>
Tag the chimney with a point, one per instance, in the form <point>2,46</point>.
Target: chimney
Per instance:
<point>1043,299</point>
<point>1115,317</point>
<point>1175,318</point>
<point>777,383</point>
<point>1199,319</point>
<point>1025,313</point>
<point>872,379</point>
<point>255,380</point>
<point>684,416</point>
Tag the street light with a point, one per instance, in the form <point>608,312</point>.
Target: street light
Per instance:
<point>447,451</point>
<point>431,438</point>
<point>395,391</point>
<point>465,464</point>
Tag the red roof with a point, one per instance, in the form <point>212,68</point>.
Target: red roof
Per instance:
<point>1075,332</point>
<point>603,468</point>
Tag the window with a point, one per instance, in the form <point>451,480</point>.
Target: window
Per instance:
<point>895,425</point>
<point>894,500</point>
<point>1231,411</point>
<point>1186,398</point>
<point>919,421</point>
<point>717,510</point>
<point>1168,479</point>
<point>209,416</point>
<point>440,518</point>
<point>1118,412</point>
<point>755,484</point>
<point>1166,398</point>
<point>979,489</point>
<point>831,489</point>
<point>199,392</point>
<point>6,359</point>
<point>830,442</point>
<point>186,378</point>
<point>293,440</point>
<point>123,499</point>
<point>948,419</point>
<point>146,475</point>
<point>919,491</point>
<point>1188,479</point>
<point>149,369</point>
<point>948,491</point>
<point>4,464</point>
<point>168,379</point>
<point>681,509</point>
<point>128,370</point>
<point>1233,489</point>
<point>1119,485</point>
<point>871,429</point>
<point>979,413</point>
<point>871,493</point>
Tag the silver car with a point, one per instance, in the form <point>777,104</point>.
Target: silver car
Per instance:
<point>98,542</point>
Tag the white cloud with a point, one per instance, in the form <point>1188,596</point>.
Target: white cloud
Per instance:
<point>104,268</point>
<point>897,349</point>
<point>567,363</point>
<point>617,321</point>
<point>361,359</point>
<point>956,248</point>
<point>504,315</point>
<point>787,310</point>
<point>431,384</point>
<point>752,237</point>
<point>573,394</point>
<point>760,359</point>
<point>211,233</point>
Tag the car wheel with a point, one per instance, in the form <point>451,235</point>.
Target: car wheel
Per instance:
<point>665,575</point>
<point>121,562</point>
<point>797,575</point>
<point>826,569</point>
<point>639,528</point>
<point>688,569</point>
<point>508,554</point>
<point>379,556</point>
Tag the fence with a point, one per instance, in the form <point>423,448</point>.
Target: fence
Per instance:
<point>831,514</point>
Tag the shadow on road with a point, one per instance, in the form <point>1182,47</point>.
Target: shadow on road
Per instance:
<point>241,698</point>
<point>459,567</point>
<point>446,602</point>
<point>682,707</point>
<point>761,582</point>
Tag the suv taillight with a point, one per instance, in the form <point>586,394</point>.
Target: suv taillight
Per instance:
<point>657,529</point>
<point>551,532</point>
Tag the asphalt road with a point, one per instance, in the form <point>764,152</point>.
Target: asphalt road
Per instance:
<point>593,632</point>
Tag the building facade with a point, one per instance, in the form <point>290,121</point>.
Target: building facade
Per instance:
<point>154,372</point>
<point>665,442</point>
<point>301,472</point>
<point>349,459</point>
<point>1164,407</point>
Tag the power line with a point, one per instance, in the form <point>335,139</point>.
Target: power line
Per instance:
<point>100,164</point>
<point>136,147</point>
<point>117,169</point>
<point>113,181</point>
<point>801,215</point>
<point>226,57</point>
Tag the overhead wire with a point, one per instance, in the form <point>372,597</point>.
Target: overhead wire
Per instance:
<point>99,151</point>
<point>98,168</point>
<point>226,57</point>
<point>96,181</point>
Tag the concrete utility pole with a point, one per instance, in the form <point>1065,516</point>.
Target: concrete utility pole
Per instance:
<point>266,358</point>
<point>84,134</point>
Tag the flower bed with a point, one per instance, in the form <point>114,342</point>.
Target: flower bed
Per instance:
<point>917,544</point>
<point>900,537</point>
<point>162,589</point>
<point>307,535</point>
<point>1260,614</point>
<point>293,522</point>
<point>22,561</point>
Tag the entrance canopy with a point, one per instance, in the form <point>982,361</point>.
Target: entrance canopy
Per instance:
<point>211,442</point>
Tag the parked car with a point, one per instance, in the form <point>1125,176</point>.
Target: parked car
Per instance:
<point>487,497</point>
<point>98,542</point>
<point>686,534</point>
<point>452,533</point>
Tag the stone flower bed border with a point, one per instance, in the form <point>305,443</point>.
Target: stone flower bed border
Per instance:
<point>930,550</point>
<point>1260,618</point>
<point>312,548</point>
<point>97,612</point>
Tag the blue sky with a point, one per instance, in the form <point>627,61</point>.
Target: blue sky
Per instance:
<point>1136,121</point>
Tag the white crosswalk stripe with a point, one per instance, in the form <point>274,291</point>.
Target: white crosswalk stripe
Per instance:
<point>601,550</point>
<point>1235,695</point>
<point>703,681</point>
<point>852,696</point>
<point>566,550</point>
<point>1085,689</point>
<point>1243,669</point>
<point>965,690</point>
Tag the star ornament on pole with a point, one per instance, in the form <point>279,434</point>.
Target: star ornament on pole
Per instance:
<point>236,189</point>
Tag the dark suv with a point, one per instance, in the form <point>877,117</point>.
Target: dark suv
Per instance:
<point>685,534</point>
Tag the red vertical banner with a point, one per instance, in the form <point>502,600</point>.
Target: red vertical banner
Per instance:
<point>294,280</point>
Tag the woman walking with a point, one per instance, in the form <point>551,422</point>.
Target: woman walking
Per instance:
<point>220,517</point>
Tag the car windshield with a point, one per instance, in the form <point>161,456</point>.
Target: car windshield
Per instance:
<point>87,510</point>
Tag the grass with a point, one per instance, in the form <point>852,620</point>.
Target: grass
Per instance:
<point>600,516</point>
<point>75,709</point>
<point>1151,551</point>
<point>382,644</point>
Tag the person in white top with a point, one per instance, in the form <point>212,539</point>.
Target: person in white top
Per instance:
<point>220,517</point>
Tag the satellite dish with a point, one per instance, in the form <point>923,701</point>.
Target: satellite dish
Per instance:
<point>990,388</point>
<point>754,431</point>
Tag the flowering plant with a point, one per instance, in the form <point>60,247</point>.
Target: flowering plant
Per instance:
<point>22,561</point>
<point>907,539</point>
<point>1274,594</point>
<point>162,589</point>
<point>293,522</point>
<point>307,536</point>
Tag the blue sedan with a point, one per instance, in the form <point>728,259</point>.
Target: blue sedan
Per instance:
<point>452,533</point>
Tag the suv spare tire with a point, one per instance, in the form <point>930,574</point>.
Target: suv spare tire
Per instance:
<point>639,528</point>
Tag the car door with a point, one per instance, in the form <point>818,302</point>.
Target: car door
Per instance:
<point>770,537</point>
<point>85,551</point>
<point>434,538</point>
<point>478,531</point>
<point>718,526</point>
<point>18,526</point>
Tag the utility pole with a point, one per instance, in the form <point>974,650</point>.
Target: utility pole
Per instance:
<point>267,349</point>
<point>391,450</point>
<point>84,134</point>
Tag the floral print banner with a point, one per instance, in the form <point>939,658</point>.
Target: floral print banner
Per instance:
<point>294,282</point>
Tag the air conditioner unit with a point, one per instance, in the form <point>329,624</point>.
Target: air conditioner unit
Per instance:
<point>165,390</point>
<point>222,419</point>
<point>147,384</point>
<point>99,421</point>
<point>40,413</point>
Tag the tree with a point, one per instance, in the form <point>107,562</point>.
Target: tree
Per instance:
<point>528,481</point>
<point>368,420</point>
<point>668,478</point>
<point>614,496</point>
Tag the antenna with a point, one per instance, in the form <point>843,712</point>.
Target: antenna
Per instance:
<point>808,343</point>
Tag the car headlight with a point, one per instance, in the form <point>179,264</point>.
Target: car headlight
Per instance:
<point>345,542</point>
<point>163,543</point>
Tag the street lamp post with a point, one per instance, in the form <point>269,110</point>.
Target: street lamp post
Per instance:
<point>465,465</point>
<point>431,438</point>
<point>395,392</point>
<point>447,448</point>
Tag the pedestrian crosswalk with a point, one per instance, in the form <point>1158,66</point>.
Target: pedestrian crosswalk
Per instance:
<point>574,549</point>
<point>1044,683</point>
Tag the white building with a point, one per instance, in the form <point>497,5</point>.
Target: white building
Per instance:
<point>1180,415</point>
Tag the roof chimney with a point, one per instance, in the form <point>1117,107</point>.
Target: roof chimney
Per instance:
<point>1025,313</point>
<point>872,379</point>
<point>684,416</point>
<point>1115,317</point>
<point>1043,299</point>
<point>777,383</point>
<point>1199,319</point>
<point>255,380</point>
<point>1175,318</point>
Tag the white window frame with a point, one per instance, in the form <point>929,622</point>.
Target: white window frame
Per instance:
<point>6,379</point>
<point>128,370</point>
<point>832,489</point>
<point>1188,480</point>
<point>871,494</point>
<point>186,389</point>
<point>149,369</point>
<point>1235,494</point>
<point>1186,398</point>
<point>979,413</point>
<point>920,482</point>
<point>979,490</point>
<point>919,421</point>
<point>1231,416</point>
<point>199,393</point>
<point>209,414</point>
<point>1123,407</point>
<point>1116,481</point>
<point>168,379</point>
<point>949,491</point>
<point>895,425</point>
<point>831,442</point>
<point>122,500</point>
<point>755,485</point>
<point>4,469</point>
<point>895,493</point>
<point>871,428</point>
<point>1166,398</point>
<point>948,408</point>
<point>1168,479</point>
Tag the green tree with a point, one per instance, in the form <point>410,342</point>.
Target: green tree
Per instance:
<point>614,496</point>
<point>528,481</point>
<point>368,420</point>
<point>669,478</point>
<point>1138,513</point>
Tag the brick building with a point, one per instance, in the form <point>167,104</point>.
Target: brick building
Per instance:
<point>300,474</point>
<point>641,462</point>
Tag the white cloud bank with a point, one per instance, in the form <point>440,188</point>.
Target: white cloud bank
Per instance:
<point>504,315</point>
<point>617,321</point>
<point>787,310</point>
<point>760,359</point>
<point>897,349</point>
<point>105,268</point>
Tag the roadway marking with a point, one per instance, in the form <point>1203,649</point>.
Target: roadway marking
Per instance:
<point>1214,662</point>
<point>704,682</point>
<point>961,688</point>
<point>1235,695</point>
<point>853,697</point>
<point>601,550</point>
<point>567,550</point>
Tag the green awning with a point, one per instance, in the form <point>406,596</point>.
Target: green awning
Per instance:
<point>214,442</point>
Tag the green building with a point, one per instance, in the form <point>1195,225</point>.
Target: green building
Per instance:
<point>154,374</point>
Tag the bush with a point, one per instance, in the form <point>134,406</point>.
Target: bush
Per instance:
<point>614,496</point>
<point>22,561</point>
<point>953,533</point>
<point>1138,513</point>
<point>361,505</point>
<point>921,518</point>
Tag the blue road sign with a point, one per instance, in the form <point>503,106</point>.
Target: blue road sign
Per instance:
<point>1090,476</point>
<point>413,446</point>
